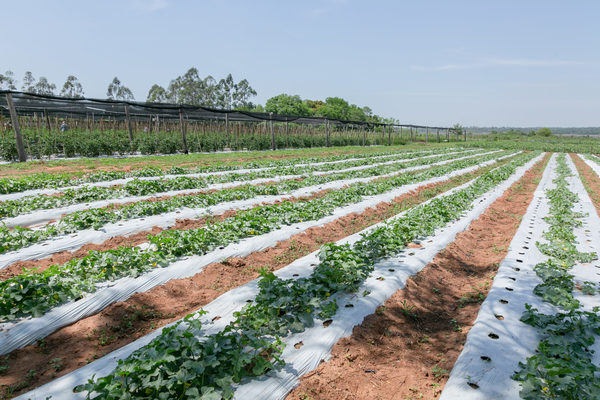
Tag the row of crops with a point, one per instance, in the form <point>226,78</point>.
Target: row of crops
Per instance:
<point>544,304</point>
<point>94,143</point>
<point>244,344</point>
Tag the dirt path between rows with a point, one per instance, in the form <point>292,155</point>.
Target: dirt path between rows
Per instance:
<point>590,180</point>
<point>132,240</point>
<point>121,323</point>
<point>407,348</point>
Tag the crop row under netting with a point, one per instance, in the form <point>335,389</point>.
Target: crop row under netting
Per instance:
<point>93,127</point>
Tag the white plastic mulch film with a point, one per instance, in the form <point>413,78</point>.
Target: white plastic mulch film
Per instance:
<point>76,240</point>
<point>45,215</point>
<point>14,335</point>
<point>498,340</point>
<point>122,181</point>
<point>317,340</point>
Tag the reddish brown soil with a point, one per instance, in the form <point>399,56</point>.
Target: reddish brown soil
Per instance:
<point>590,180</point>
<point>401,352</point>
<point>122,323</point>
<point>128,241</point>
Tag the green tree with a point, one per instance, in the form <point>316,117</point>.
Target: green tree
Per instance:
<point>157,94</point>
<point>28,83</point>
<point>189,88</point>
<point>313,106</point>
<point>286,104</point>
<point>72,88</point>
<point>224,93</point>
<point>458,130</point>
<point>355,113</point>
<point>44,87</point>
<point>242,94</point>
<point>543,132</point>
<point>116,91</point>
<point>8,81</point>
<point>334,108</point>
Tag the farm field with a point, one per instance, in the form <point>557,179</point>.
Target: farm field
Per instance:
<point>399,272</point>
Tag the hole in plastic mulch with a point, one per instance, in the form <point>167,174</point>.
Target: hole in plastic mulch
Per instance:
<point>493,336</point>
<point>473,385</point>
<point>391,270</point>
<point>503,301</point>
<point>517,269</point>
<point>486,358</point>
<point>327,323</point>
<point>509,289</point>
<point>349,305</point>
<point>499,317</point>
<point>218,317</point>
<point>295,275</point>
<point>519,261</point>
<point>298,345</point>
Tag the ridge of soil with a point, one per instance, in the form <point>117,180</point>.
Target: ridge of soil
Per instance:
<point>121,323</point>
<point>408,347</point>
<point>132,240</point>
<point>590,180</point>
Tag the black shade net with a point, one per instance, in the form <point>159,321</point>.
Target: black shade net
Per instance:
<point>61,107</point>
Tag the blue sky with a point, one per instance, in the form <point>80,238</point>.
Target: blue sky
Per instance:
<point>479,62</point>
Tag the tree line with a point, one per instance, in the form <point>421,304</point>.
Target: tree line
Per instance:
<point>191,88</point>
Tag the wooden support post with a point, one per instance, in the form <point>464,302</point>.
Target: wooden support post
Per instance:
<point>182,127</point>
<point>47,120</point>
<point>448,135</point>
<point>272,131</point>
<point>227,136</point>
<point>16,128</point>
<point>327,133</point>
<point>427,135</point>
<point>364,135</point>
<point>286,127</point>
<point>150,124</point>
<point>389,135</point>
<point>128,122</point>
<point>438,135</point>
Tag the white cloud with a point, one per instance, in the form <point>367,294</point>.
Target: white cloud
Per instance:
<point>150,5</point>
<point>497,63</point>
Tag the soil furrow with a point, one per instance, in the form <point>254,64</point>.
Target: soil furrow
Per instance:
<point>123,322</point>
<point>407,348</point>
<point>590,180</point>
